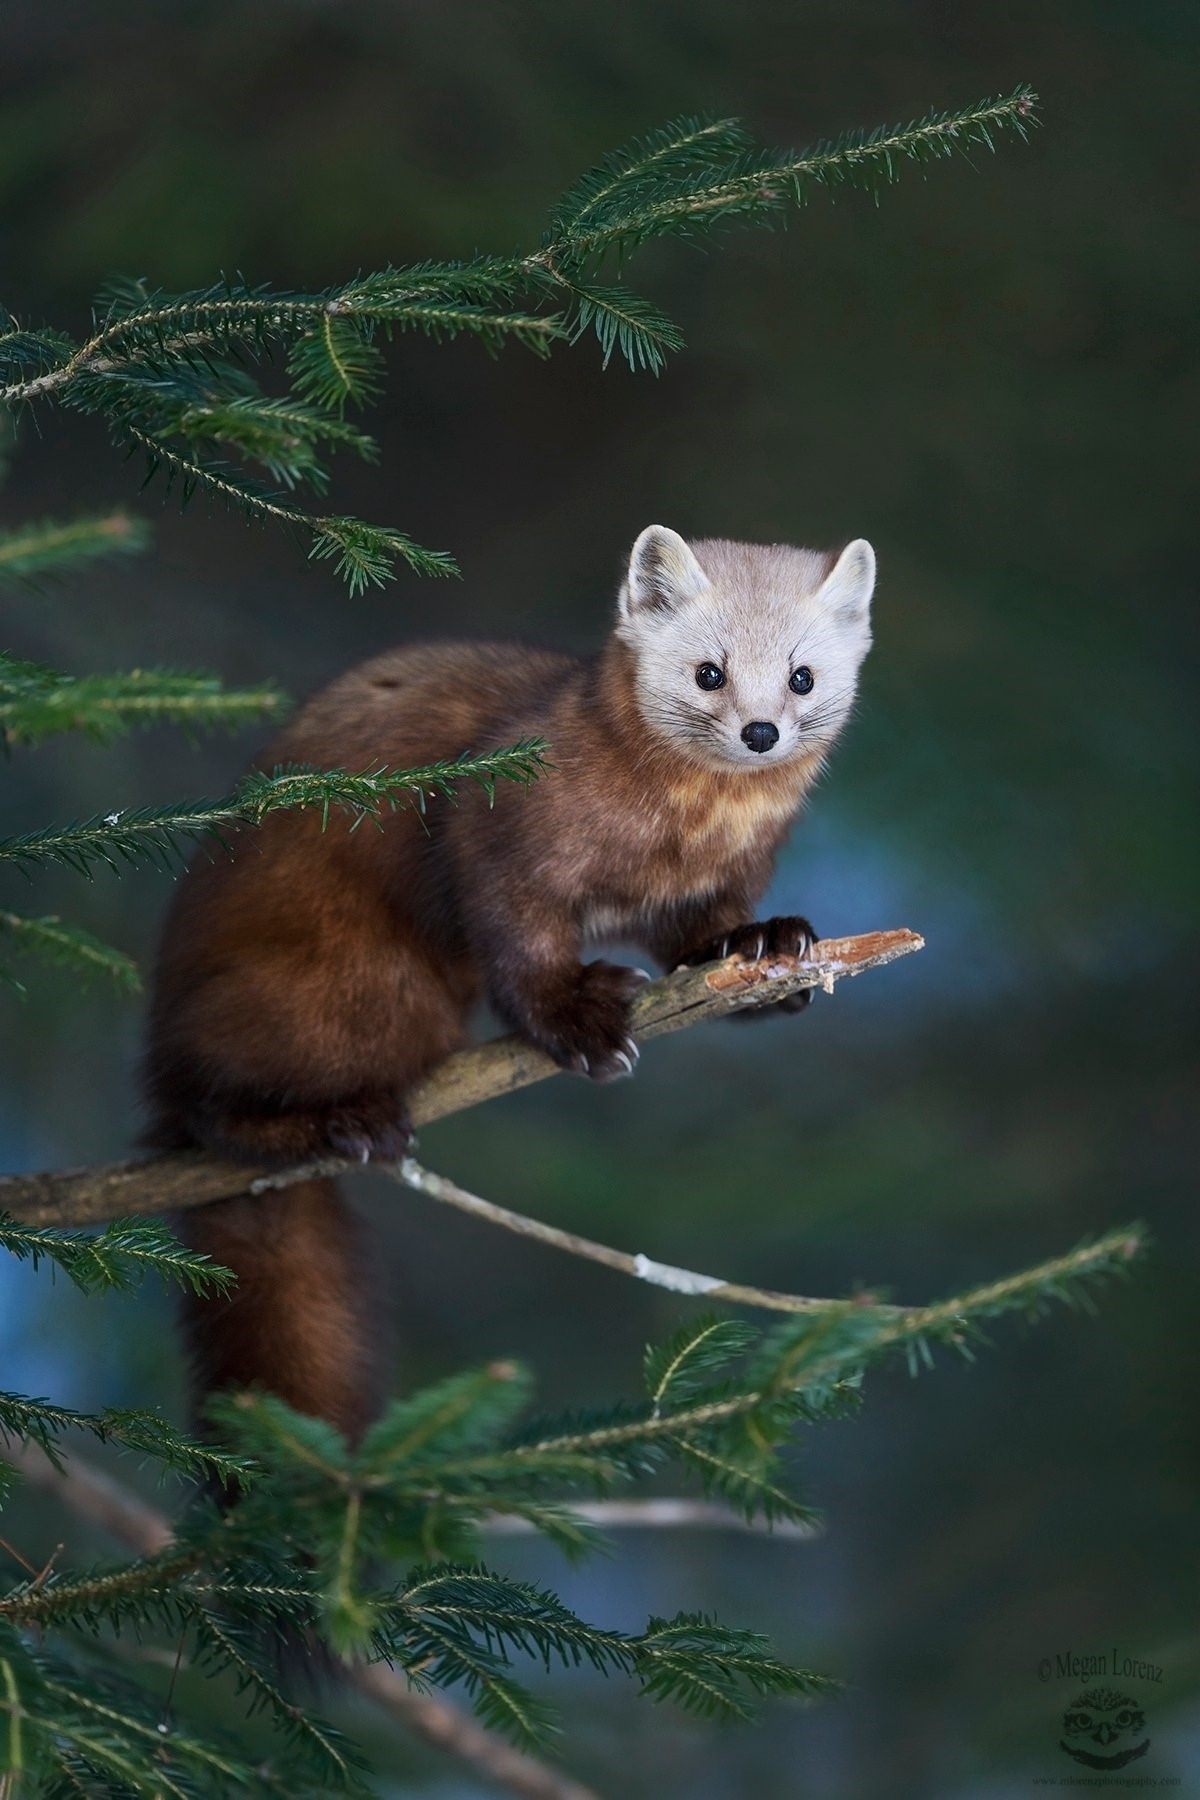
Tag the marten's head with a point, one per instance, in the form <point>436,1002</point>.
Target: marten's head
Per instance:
<point>746,655</point>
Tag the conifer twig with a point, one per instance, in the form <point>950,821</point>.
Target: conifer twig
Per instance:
<point>642,1268</point>
<point>906,1322</point>
<point>37,702</point>
<point>93,1495</point>
<point>48,547</point>
<point>170,374</point>
<point>662,1512</point>
<point>443,1725</point>
<point>68,945</point>
<point>158,835</point>
<point>685,998</point>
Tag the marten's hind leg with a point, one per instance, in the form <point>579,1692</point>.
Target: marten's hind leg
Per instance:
<point>370,1124</point>
<point>298,1060</point>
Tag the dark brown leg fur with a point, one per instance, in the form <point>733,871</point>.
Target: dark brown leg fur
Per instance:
<point>372,1123</point>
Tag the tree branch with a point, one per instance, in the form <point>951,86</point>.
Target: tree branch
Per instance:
<point>685,998</point>
<point>441,1724</point>
<point>95,1496</point>
<point>660,1513</point>
<point>92,1494</point>
<point>644,1268</point>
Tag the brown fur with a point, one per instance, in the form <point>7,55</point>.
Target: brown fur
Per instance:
<point>308,980</point>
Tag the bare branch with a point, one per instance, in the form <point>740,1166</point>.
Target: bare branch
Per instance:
<point>684,998</point>
<point>442,1724</point>
<point>92,1494</point>
<point>662,1513</point>
<point>643,1268</point>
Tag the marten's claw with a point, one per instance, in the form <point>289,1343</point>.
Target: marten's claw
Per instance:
<point>367,1126</point>
<point>785,936</point>
<point>586,1028</point>
<point>353,1133</point>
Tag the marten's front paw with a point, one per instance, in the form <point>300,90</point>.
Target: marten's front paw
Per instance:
<point>588,1029</point>
<point>774,937</point>
<point>788,936</point>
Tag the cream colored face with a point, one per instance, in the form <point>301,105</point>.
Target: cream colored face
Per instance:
<point>747,654</point>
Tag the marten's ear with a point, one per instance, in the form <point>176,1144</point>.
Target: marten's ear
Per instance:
<point>848,587</point>
<point>662,573</point>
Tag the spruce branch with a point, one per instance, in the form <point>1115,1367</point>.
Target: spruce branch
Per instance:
<point>69,947</point>
<point>27,352</point>
<point>168,371</point>
<point>94,1495</point>
<point>225,1646</point>
<point>117,1257</point>
<point>364,554</point>
<point>42,1422</point>
<point>159,835</point>
<point>37,702</point>
<point>96,1739</point>
<point>32,553</point>
<point>446,1727</point>
<point>721,1399</point>
<point>283,435</point>
<point>755,186</point>
<point>623,321</point>
<point>680,148</point>
<point>463,1624</point>
<point>807,1359</point>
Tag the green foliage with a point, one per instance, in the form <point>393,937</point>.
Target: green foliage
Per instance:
<point>169,373</point>
<point>152,834</point>
<point>27,1420</point>
<point>72,1729</point>
<point>305,1552</point>
<point>695,175</point>
<point>117,1257</point>
<point>37,702</point>
<point>70,947</point>
<point>33,553</point>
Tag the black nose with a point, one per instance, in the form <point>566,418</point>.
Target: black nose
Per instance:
<point>760,735</point>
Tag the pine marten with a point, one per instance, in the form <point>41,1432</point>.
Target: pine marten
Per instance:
<point>309,979</point>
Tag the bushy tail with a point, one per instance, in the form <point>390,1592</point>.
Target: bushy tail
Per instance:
<point>303,1317</point>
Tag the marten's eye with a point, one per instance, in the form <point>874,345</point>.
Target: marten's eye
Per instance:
<point>708,677</point>
<point>802,680</point>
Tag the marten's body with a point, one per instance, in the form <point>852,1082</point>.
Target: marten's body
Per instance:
<point>308,981</point>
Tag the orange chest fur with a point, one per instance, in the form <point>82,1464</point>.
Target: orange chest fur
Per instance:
<point>661,846</point>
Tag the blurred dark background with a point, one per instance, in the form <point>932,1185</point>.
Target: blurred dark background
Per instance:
<point>991,373</point>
